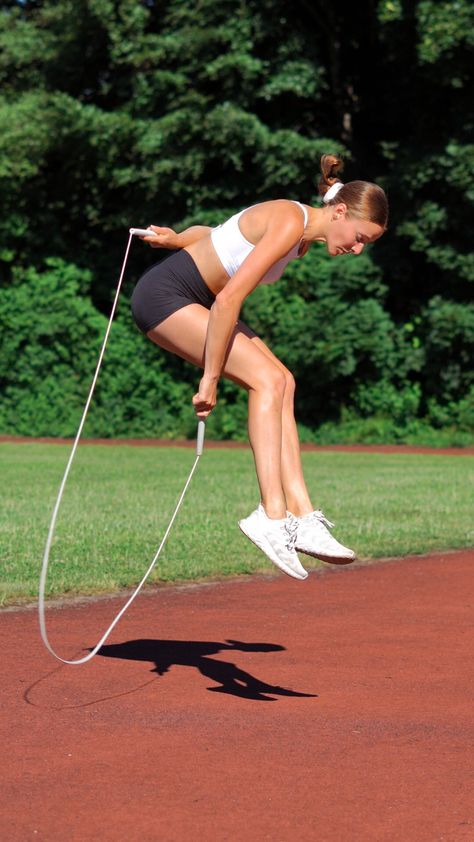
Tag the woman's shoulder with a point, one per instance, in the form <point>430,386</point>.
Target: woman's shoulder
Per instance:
<point>276,209</point>
<point>275,215</point>
<point>280,206</point>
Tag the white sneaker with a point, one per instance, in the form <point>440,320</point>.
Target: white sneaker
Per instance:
<point>277,540</point>
<point>313,538</point>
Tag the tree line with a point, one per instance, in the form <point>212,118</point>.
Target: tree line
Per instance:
<point>121,112</point>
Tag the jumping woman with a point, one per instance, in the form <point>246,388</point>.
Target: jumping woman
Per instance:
<point>189,304</point>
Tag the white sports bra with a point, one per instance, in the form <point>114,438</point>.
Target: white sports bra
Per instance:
<point>232,248</point>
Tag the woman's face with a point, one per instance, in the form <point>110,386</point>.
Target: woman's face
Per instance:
<point>348,235</point>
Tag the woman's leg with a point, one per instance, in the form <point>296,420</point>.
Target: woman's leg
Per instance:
<point>184,333</point>
<point>294,487</point>
<point>273,436</point>
<point>313,538</point>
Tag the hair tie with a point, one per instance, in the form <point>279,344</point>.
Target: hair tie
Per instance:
<point>332,192</point>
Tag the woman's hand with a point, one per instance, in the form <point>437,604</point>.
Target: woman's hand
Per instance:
<point>165,238</point>
<point>205,399</point>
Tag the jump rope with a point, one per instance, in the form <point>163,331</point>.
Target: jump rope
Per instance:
<point>140,232</point>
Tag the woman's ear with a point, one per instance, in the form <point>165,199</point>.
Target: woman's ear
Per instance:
<point>339,210</point>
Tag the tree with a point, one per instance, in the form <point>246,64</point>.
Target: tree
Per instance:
<point>120,112</point>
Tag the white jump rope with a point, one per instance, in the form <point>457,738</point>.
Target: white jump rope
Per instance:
<point>141,232</point>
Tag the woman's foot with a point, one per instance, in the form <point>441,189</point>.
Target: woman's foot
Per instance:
<point>277,540</point>
<point>313,538</point>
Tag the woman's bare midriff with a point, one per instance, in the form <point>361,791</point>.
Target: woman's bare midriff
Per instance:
<point>211,269</point>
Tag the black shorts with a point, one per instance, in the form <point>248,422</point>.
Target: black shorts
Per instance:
<point>166,287</point>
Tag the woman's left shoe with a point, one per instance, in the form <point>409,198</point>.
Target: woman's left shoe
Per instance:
<point>313,538</point>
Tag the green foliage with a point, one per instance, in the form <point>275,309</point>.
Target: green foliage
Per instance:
<point>383,399</point>
<point>443,27</point>
<point>51,337</point>
<point>390,10</point>
<point>120,112</point>
<point>448,330</point>
<point>434,230</point>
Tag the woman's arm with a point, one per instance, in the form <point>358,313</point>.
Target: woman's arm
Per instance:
<point>166,238</point>
<point>283,231</point>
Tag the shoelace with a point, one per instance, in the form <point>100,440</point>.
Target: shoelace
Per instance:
<point>318,515</point>
<point>291,528</point>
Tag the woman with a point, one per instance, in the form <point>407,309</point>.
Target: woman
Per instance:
<point>189,304</point>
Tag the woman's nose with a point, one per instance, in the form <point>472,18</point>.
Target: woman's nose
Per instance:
<point>357,248</point>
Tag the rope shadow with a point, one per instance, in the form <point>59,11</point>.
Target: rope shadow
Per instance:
<point>229,678</point>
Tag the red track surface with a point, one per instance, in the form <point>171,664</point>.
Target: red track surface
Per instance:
<point>339,709</point>
<point>355,448</point>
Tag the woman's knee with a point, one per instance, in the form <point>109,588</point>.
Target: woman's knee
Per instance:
<point>271,382</point>
<point>290,385</point>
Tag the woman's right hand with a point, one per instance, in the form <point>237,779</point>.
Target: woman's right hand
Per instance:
<point>165,238</point>
<point>205,399</point>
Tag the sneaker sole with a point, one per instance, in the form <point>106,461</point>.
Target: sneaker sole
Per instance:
<point>329,559</point>
<point>267,548</point>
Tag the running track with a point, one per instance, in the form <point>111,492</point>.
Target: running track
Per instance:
<point>339,709</point>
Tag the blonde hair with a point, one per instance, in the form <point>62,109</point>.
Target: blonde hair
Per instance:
<point>364,200</point>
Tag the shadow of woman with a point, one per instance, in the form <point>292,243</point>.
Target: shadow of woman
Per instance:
<point>196,653</point>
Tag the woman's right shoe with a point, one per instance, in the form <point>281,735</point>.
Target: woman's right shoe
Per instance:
<point>277,540</point>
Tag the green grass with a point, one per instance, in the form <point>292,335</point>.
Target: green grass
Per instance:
<point>119,500</point>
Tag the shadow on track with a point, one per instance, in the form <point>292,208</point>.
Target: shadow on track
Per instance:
<point>188,653</point>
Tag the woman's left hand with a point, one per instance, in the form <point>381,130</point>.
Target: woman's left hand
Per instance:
<point>205,399</point>
<point>165,238</point>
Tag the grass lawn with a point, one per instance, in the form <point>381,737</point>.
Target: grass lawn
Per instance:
<point>119,500</point>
